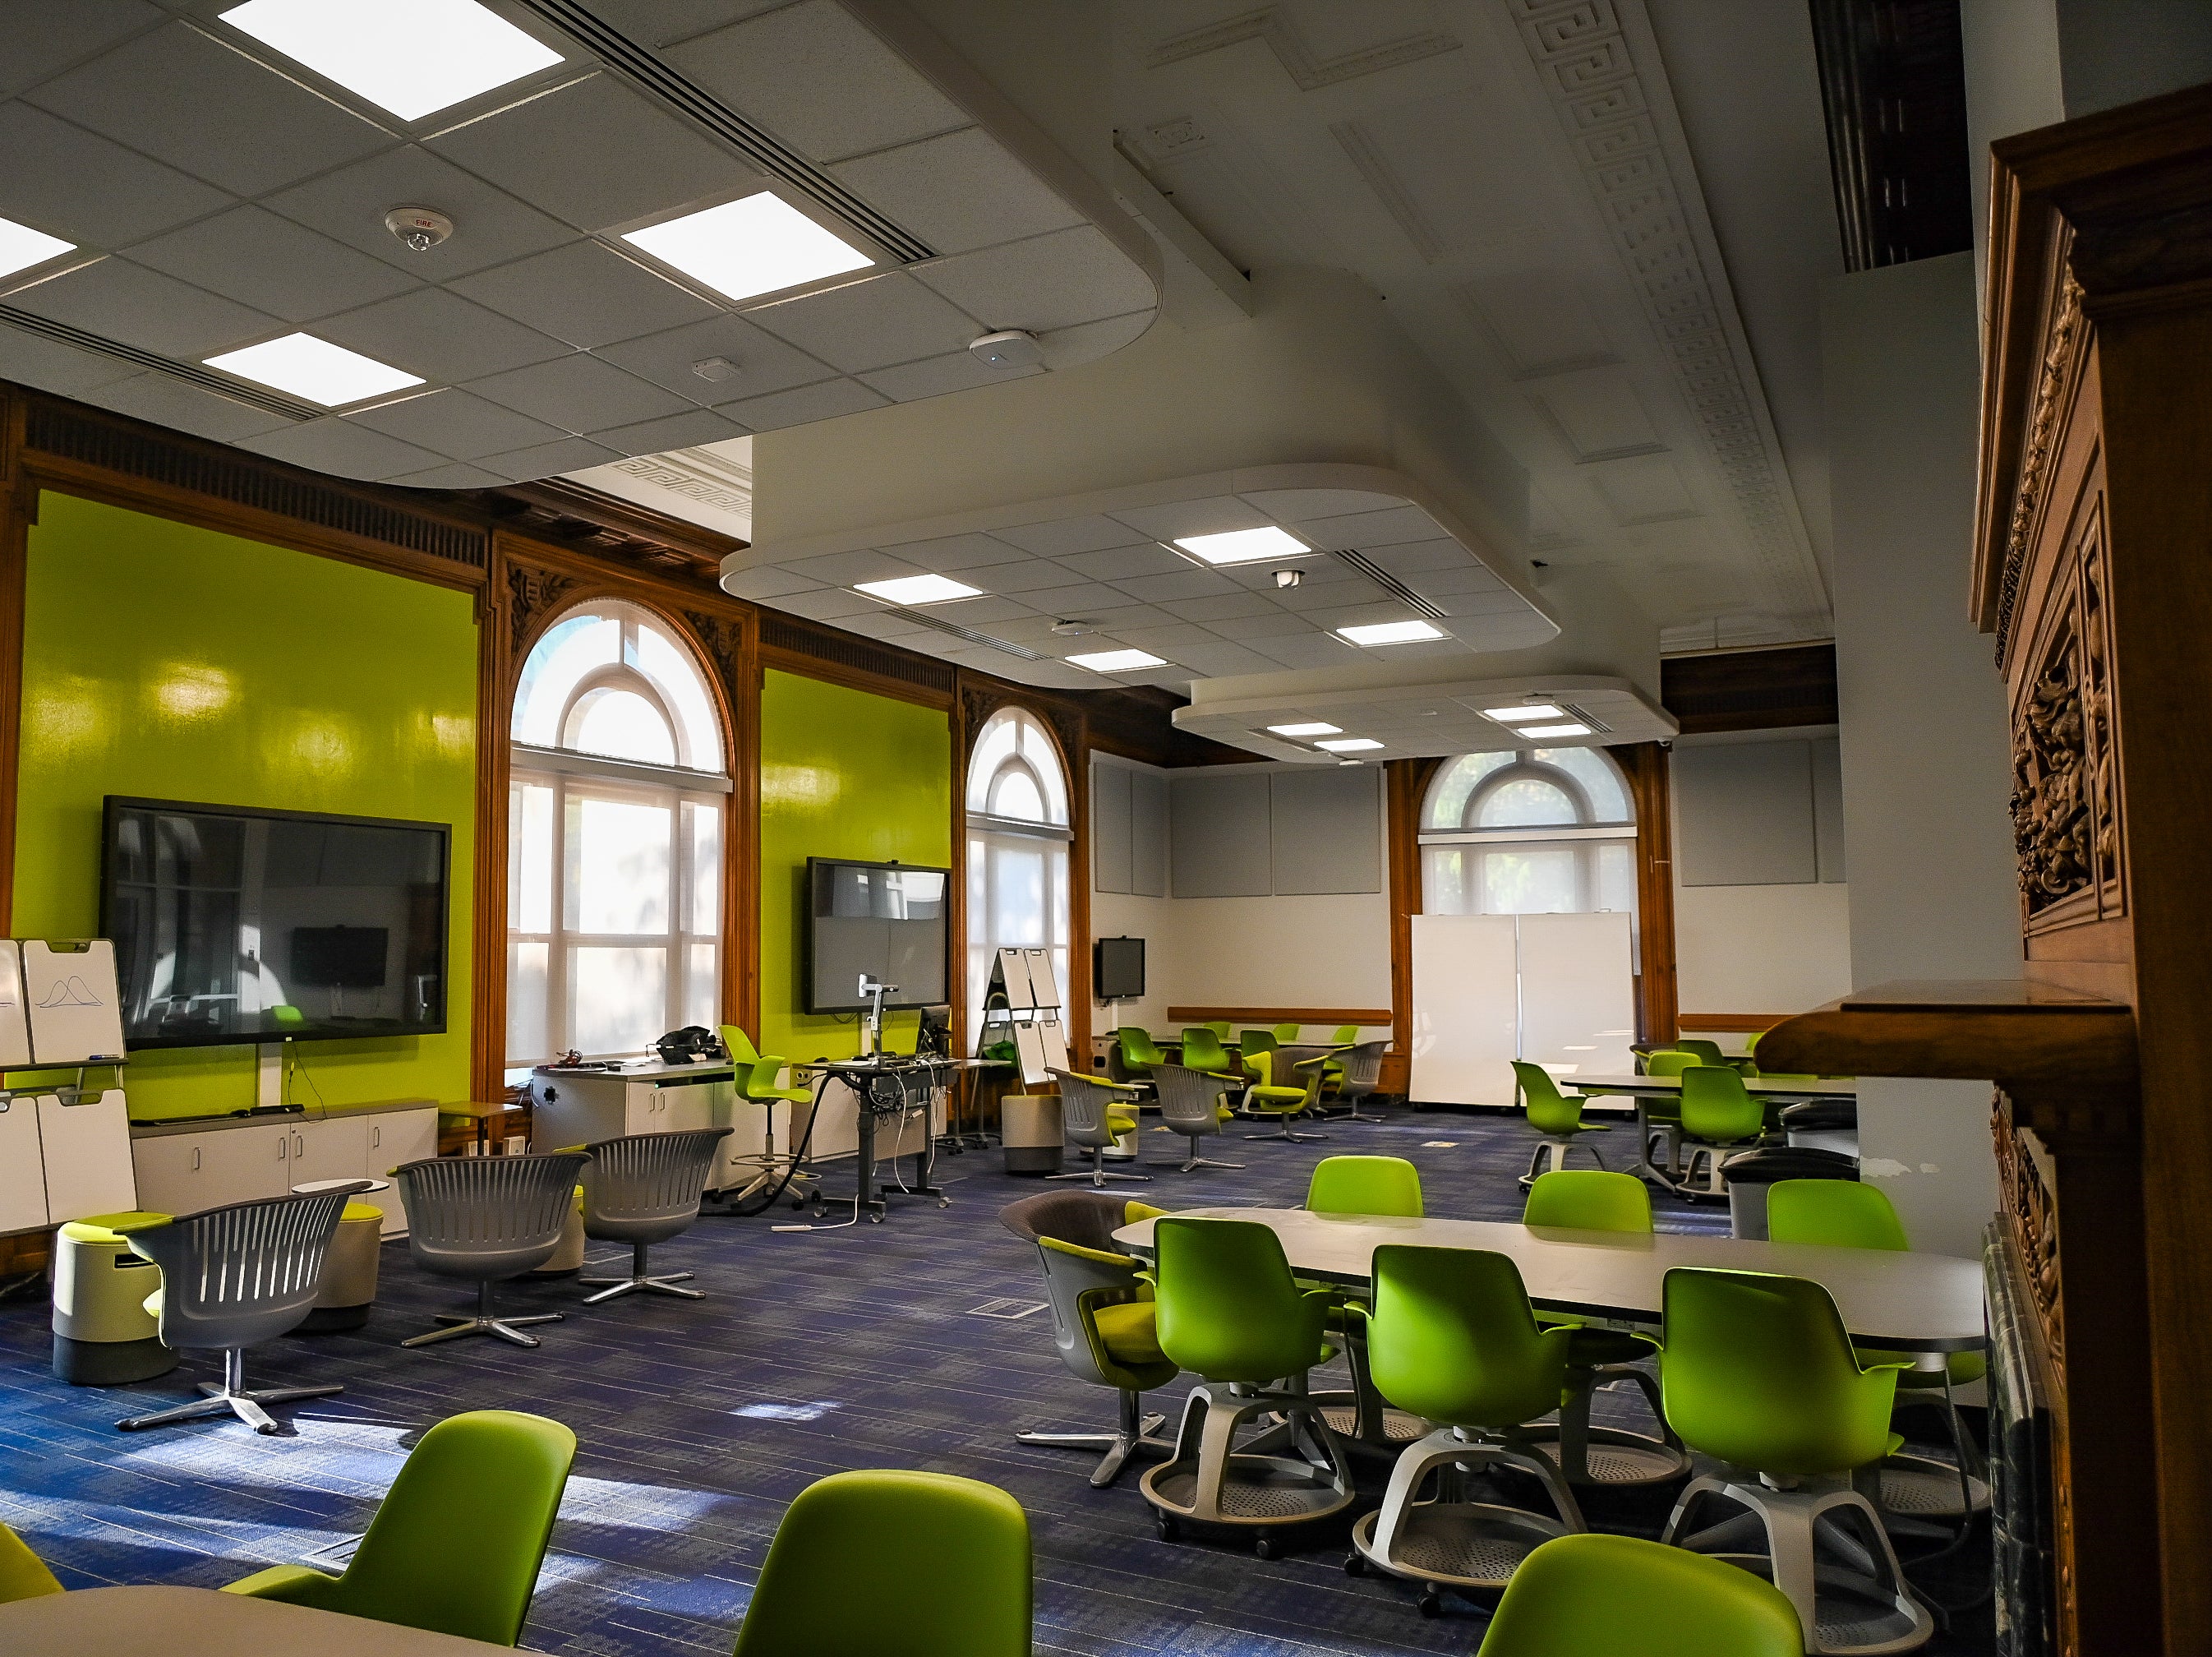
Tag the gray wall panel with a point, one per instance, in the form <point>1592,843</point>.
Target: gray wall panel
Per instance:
<point>1218,835</point>
<point>1109,826</point>
<point>1328,830</point>
<point>1148,834</point>
<point>1828,809</point>
<point>1744,813</point>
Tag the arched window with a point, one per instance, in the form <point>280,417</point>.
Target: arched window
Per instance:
<point>615,837</point>
<point>1017,842</point>
<point>1542,831</point>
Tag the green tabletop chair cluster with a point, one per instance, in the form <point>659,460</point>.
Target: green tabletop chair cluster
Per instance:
<point>1139,1054</point>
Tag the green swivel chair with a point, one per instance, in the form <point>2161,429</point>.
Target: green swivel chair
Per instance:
<point>23,1574</point>
<point>1231,1312</point>
<point>1139,1053</point>
<point>1589,1199</point>
<point>1365,1185</point>
<point>1717,1114</point>
<point>1250,1044</point>
<point>1265,1097</point>
<point>1846,1213</point>
<point>1758,1373</point>
<point>1555,1115</point>
<point>1202,1050</point>
<point>920,1564</point>
<point>456,1543</point>
<point>1451,1338</point>
<point>1347,1035</point>
<point>1103,1322</point>
<point>1286,1034</point>
<point>1601,1596</point>
<point>1220,1028</point>
<point>1093,1112</point>
<point>1708,1052</point>
<point>1659,1121</point>
<point>756,1073</point>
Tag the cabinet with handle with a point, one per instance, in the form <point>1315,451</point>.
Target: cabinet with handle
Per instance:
<point>182,1174</point>
<point>394,1138</point>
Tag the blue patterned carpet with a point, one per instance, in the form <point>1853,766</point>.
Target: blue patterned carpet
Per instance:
<point>699,1421</point>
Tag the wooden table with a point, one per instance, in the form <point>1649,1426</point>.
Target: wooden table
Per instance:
<point>492,1121</point>
<point>202,1623</point>
<point>1923,1303</point>
<point>1671,1086</point>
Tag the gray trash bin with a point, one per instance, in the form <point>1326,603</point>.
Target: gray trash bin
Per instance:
<point>1748,1174</point>
<point>1825,1125</point>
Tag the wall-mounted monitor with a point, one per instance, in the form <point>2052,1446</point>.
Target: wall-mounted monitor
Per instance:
<point>1117,969</point>
<point>888,921</point>
<point>233,923</point>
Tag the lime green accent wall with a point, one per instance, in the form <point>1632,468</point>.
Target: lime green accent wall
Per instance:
<point>842,774</point>
<point>175,662</point>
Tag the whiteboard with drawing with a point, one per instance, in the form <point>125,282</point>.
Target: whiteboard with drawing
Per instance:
<point>69,991</point>
<point>15,1028</point>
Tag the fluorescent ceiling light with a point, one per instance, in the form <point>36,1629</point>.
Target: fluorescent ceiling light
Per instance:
<point>1118,661</point>
<point>1568,729</point>
<point>1391,632</point>
<point>1244,546</point>
<point>755,244</point>
<point>918,589</point>
<point>411,58</point>
<point>1528,710</point>
<point>316,369</point>
<point>1350,745</point>
<point>1314,729</point>
<point>21,247</point>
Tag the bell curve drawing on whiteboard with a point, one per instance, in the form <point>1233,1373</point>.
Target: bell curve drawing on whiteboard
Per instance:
<point>14,1026</point>
<point>71,992</point>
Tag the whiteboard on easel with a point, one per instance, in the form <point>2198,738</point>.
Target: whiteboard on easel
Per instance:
<point>1029,1047</point>
<point>1054,1039</point>
<point>15,1027</point>
<point>1014,974</point>
<point>69,991</point>
<point>1044,983</point>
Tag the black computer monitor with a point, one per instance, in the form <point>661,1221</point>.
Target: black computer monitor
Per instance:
<point>934,1039</point>
<point>1117,969</point>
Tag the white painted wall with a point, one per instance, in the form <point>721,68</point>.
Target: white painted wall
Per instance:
<point>1761,948</point>
<point>1926,765</point>
<point>1332,951</point>
<point>1118,915</point>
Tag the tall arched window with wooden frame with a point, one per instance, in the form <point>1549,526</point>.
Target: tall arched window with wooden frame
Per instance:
<point>1539,830</point>
<point>617,802</point>
<point>1018,836</point>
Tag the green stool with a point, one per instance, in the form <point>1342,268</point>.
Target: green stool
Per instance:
<point>1604,1596</point>
<point>104,1336</point>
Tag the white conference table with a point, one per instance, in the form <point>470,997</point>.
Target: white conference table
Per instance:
<point>1925,1303</point>
<point>203,1623</point>
<point>1671,1086</point>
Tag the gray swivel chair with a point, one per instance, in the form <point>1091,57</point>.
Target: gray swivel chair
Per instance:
<point>643,1189</point>
<point>1103,1320</point>
<point>1191,1103</point>
<point>1363,1072</point>
<point>234,1277</point>
<point>1093,1114</point>
<point>485,1218</point>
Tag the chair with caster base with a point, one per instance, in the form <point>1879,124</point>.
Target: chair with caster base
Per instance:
<point>1587,1199</point>
<point>456,1541</point>
<point>1659,1121</point>
<point>1194,1103</point>
<point>235,1277</point>
<point>1094,1113</point>
<point>642,1190</point>
<point>1596,1596</point>
<point>483,1219</point>
<point>1139,1054</point>
<point>1265,1097</point>
<point>1363,1185</point>
<point>1718,1115</point>
<point>1556,1116</point>
<point>1451,1338</point>
<point>1202,1050</point>
<point>1844,1214</point>
<point>1757,1372</point>
<point>1102,1316</point>
<point>1231,1312</point>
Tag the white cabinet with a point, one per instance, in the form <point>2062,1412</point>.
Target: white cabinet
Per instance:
<point>335,1148</point>
<point>186,1172</point>
<point>23,1180</point>
<point>394,1138</point>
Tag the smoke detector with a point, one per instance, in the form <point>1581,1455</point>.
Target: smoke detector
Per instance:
<point>1071,629</point>
<point>715,368</point>
<point>1009,348</point>
<point>421,228</point>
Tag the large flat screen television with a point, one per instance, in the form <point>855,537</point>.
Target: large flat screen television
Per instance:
<point>232,924</point>
<point>886,920</point>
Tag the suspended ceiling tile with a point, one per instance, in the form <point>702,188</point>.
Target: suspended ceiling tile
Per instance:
<point>665,22</point>
<point>985,614</point>
<point>1304,649</point>
<point>451,477</point>
<point>439,336</point>
<point>1048,282</point>
<point>33,360</point>
<point>1060,538</point>
<point>272,264</point>
<point>457,424</point>
<point>1124,562</point>
<point>1366,530</point>
<point>961,553</point>
<point>1030,577</point>
<point>816,76</point>
<point>1497,601</point>
<point>124,302</point>
<point>1222,657</point>
<point>1224,606</point>
<point>935,376</point>
<point>1275,623</point>
<point>837,603</point>
<point>763,362</point>
<point>1078,599</point>
<point>1129,614</point>
<point>1207,514</point>
<point>958,192</point>
<point>1463,578</point>
<point>45,36</point>
<point>848,568</point>
<point>1086,342</point>
<point>172,403</point>
<point>1413,560</point>
<point>1172,588</point>
<point>585,293</point>
<point>595,154</point>
<point>341,447</point>
<point>690,429</point>
<point>180,98</point>
<point>546,460</point>
<point>1303,506</point>
<point>49,162</point>
<point>761,585</point>
<point>1165,638</point>
<point>871,324</point>
<point>806,404</point>
<point>489,226</point>
<point>578,394</point>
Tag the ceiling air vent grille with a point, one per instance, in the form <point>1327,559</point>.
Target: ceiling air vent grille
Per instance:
<point>60,333</point>
<point>968,634</point>
<point>650,75</point>
<point>1390,584</point>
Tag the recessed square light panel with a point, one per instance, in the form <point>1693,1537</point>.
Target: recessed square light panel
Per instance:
<point>1244,546</point>
<point>304,366</point>
<point>758,244</point>
<point>1571,728</point>
<point>1312,727</point>
<point>1118,661</point>
<point>21,247</point>
<point>918,589</point>
<point>1391,632</point>
<point>409,58</point>
<point>1524,712</point>
<point>1349,744</point>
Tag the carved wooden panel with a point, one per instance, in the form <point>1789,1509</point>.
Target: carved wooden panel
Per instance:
<point>2031,1216</point>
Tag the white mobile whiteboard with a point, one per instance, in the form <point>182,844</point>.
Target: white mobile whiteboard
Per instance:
<point>15,1027</point>
<point>1577,994</point>
<point>71,992</point>
<point>1466,1016</point>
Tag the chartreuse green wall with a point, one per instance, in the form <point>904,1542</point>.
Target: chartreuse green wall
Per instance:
<point>842,774</point>
<point>179,663</point>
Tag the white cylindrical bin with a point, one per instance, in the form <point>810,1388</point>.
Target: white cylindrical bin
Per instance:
<point>1029,1130</point>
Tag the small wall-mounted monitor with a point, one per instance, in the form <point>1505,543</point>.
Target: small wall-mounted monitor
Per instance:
<point>888,921</point>
<point>1117,969</point>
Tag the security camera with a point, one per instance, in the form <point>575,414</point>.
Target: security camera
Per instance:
<point>1287,578</point>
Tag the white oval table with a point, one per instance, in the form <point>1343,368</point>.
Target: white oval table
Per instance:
<point>203,1623</point>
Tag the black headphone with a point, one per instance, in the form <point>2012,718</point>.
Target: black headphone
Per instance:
<point>693,1044</point>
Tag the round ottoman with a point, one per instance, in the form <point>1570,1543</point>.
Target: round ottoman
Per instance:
<point>348,1289</point>
<point>103,1334</point>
